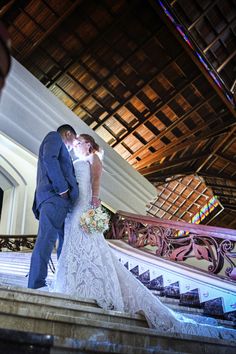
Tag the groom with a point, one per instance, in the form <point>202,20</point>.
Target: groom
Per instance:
<point>55,193</point>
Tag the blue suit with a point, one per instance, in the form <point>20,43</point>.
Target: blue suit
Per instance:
<point>55,175</point>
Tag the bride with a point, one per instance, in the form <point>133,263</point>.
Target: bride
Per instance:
<point>88,268</point>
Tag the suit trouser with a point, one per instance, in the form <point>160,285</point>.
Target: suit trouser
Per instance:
<point>51,226</point>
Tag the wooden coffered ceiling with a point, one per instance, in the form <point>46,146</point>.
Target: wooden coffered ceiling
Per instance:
<point>122,67</point>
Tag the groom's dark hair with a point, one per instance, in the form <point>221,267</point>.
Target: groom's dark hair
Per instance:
<point>65,127</point>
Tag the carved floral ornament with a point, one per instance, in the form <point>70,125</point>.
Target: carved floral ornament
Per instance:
<point>17,243</point>
<point>159,237</point>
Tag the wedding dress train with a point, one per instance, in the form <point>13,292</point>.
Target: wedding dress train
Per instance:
<point>88,268</point>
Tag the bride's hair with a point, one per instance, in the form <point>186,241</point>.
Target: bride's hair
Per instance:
<point>89,139</point>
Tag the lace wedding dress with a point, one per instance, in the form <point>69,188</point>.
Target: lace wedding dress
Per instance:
<point>88,268</point>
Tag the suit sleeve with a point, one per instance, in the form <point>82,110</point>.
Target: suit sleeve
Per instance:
<point>51,150</point>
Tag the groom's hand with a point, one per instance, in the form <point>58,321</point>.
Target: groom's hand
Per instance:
<point>64,195</point>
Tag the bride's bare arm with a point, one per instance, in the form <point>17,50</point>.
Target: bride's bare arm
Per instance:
<point>96,172</point>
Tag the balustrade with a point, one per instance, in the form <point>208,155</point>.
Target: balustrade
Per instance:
<point>16,243</point>
<point>215,245</point>
<point>159,236</point>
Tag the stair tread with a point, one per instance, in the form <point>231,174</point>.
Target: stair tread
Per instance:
<point>60,303</point>
<point>16,275</point>
<point>89,303</point>
<point>79,316</point>
<point>106,324</point>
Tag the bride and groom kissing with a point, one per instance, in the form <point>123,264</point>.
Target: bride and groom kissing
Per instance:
<point>86,265</point>
<point>56,192</point>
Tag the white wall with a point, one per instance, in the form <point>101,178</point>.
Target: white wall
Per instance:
<point>17,179</point>
<point>28,111</point>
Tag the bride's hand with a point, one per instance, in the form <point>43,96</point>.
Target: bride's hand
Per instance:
<point>96,202</point>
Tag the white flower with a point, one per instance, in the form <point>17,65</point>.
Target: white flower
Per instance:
<point>95,220</point>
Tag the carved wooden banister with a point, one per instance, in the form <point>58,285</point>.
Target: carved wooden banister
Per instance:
<point>181,225</point>
<point>213,244</point>
<point>17,242</point>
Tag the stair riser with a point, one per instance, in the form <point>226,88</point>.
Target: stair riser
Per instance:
<point>42,296</point>
<point>60,300</point>
<point>171,303</point>
<point>80,311</point>
<point>64,346</point>
<point>89,330</point>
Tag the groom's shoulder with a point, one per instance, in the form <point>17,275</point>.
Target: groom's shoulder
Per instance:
<point>53,136</point>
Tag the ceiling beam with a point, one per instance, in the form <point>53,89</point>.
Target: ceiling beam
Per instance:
<point>171,164</point>
<point>223,186</point>
<point>6,6</point>
<point>114,73</point>
<point>208,8</point>
<point>220,34</point>
<point>215,133</point>
<point>164,176</point>
<point>218,146</point>
<point>91,47</point>
<point>175,147</point>
<point>225,196</point>
<point>46,34</point>
<point>215,175</point>
<point>226,158</point>
<point>169,180</point>
<point>192,55</point>
<point>158,108</point>
<point>232,55</point>
<point>162,133</point>
<point>227,145</point>
<point>229,206</point>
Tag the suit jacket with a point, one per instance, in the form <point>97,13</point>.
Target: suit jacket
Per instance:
<point>55,173</point>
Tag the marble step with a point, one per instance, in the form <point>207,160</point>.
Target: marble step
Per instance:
<point>33,312</point>
<point>14,267</point>
<point>21,281</point>
<point>62,305</point>
<point>13,341</point>
<point>12,281</point>
<point>70,305</point>
<point>18,263</point>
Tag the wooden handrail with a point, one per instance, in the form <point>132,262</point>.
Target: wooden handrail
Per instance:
<point>215,245</point>
<point>17,236</point>
<point>220,232</point>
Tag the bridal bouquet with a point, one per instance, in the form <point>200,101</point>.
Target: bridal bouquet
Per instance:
<point>95,220</point>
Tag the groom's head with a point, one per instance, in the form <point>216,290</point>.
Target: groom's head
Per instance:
<point>68,134</point>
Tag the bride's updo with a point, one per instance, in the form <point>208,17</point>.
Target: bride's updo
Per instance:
<point>94,147</point>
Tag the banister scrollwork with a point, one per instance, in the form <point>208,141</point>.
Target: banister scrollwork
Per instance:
<point>212,244</point>
<point>17,243</point>
<point>226,250</point>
